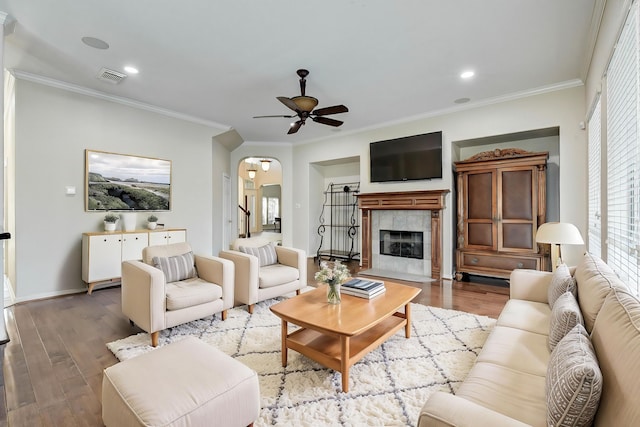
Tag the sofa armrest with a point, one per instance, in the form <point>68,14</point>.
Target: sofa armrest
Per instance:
<point>446,410</point>
<point>530,285</point>
<point>246,275</point>
<point>220,271</point>
<point>296,258</point>
<point>143,295</point>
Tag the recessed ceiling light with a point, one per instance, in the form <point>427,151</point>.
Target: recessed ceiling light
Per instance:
<point>462,100</point>
<point>95,43</point>
<point>131,70</point>
<point>467,74</point>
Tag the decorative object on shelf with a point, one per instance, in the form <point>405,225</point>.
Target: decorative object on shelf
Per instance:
<point>129,220</point>
<point>152,222</point>
<point>558,234</point>
<point>110,221</point>
<point>333,276</point>
<point>119,182</point>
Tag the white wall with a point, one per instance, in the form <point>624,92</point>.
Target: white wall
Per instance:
<point>53,128</point>
<point>562,108</point>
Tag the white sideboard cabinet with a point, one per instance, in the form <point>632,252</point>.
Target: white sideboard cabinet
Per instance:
<point>103,252</point>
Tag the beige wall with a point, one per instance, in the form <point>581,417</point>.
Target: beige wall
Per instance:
<point>561,108</point>
<point>53,127</point>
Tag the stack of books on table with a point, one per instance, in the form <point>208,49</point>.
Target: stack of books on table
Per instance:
<point>363,288</point>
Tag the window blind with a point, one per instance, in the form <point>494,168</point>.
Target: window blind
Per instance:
<point>594,155</point>
<point>623,218</point>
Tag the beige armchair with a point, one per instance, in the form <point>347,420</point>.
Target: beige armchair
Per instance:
<point>174,292</point>
<point>286,270</point>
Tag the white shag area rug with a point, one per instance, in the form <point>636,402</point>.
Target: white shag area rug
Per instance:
<point>387,388</point>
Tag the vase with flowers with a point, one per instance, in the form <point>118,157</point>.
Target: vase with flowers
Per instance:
<point>333,275</point>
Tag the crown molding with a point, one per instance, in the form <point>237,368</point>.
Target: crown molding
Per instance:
<point>469,106</point>
<point>117,99</point>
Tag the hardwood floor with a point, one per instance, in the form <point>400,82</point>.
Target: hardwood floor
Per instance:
<point>52,367</point>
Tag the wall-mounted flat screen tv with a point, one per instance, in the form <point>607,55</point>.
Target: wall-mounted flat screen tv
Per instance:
<point>406,159</point>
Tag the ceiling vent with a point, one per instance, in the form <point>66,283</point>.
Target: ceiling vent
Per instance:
<point>111,76</point>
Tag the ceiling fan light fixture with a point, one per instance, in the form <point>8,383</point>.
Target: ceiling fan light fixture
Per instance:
<point>305,103</point>
<point>265,164</point>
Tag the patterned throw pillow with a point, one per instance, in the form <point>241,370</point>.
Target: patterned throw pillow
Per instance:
<point>176,268</point>
<point>266,254</point>
<point>561,282</point>
<point>565,315</point>
<point>573,382</point>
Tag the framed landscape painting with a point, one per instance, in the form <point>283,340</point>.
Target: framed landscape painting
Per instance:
<point>120,182</point>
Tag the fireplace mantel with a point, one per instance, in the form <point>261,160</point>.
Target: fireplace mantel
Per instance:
<point>431,200</point>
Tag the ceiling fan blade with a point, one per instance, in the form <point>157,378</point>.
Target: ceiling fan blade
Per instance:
<point>288,102</point>
<point>330,110</point>
<point>327,121</point>
<point>295,127</point>
<point>262,117</point>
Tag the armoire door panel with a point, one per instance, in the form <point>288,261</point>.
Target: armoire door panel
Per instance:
<point>480,235</point>
<point>517,194</point>
<point>517,236</point>
<point>480,196</point>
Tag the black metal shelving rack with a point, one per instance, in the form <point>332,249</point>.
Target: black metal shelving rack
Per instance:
<point>343,228</point>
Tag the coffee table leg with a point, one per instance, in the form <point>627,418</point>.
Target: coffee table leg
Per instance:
<point>407,327</point>
<point>344,362</point>
<point>284,343</point>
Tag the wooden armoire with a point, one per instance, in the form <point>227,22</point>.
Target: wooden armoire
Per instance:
<point>501,203</point>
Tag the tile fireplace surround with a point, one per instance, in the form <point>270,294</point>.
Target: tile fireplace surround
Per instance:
<point>432,200</point>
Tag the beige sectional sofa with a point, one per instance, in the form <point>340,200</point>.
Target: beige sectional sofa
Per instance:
<point>508,384</point>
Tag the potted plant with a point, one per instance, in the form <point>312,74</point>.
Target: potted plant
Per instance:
<point>110,221</point>
<point>152,222</point>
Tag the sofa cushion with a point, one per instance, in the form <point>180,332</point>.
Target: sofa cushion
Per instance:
<point>561,282</point>
<point>526,315</point>
<point>191,292</point>
<point>517,394</point>
<point>516,349</point>
<point>266,254</point>
<point>574,381</point>
<point>616,340</point>
<point>277,274</point>
<point>565,315</point>
<point>594,279</point>
<point>175,268</point>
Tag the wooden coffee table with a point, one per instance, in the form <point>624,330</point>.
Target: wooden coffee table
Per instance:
<point>337,336</point>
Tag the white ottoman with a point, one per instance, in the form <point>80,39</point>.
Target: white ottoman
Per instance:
<point>187,383</point>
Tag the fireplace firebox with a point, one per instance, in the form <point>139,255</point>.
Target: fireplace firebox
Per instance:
<point>406,244</point>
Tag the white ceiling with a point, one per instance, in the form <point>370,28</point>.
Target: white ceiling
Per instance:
<point>224,61</point>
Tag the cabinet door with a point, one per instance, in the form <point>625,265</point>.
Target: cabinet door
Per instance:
<point>157,238</point>
<point>517,207</point>
<point>104,257</point>
<point>132,245</point>
<point>480,210</point>
<point>176,236</point>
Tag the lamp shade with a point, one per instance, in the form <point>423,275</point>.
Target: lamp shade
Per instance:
<point>561,233</point>
<point>265,164</point>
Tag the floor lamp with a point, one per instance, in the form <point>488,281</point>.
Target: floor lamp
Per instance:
<point>558,234</point>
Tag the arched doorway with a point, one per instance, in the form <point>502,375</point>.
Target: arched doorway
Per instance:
<point>260,195</point>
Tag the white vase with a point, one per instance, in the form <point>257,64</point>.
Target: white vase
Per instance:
<point>110,226</point>
<point>152,225</point>
<point>129,221</point>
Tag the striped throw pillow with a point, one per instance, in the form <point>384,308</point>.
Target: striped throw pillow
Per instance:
<point>266,254</point>
<point>561,282</point>
<point>176,268</point>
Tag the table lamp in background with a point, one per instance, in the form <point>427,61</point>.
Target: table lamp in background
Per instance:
<point>558,234</point>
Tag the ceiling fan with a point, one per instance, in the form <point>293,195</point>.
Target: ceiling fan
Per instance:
<point>304,107</point>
